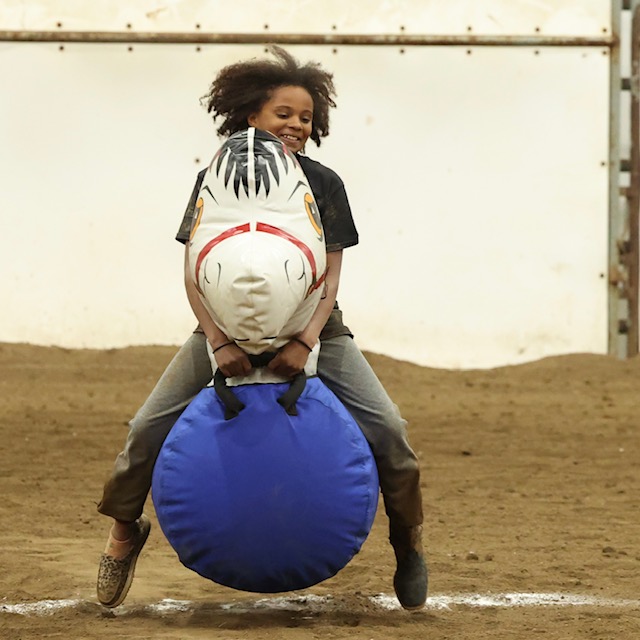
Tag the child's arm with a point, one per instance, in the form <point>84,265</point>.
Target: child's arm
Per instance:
<point>230,359</point>
<point>293,356</point>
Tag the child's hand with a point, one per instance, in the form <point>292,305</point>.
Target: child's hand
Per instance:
<point>290,360</point>
<point>232,361</point>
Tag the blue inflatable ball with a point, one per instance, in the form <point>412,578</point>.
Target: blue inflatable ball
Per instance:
<point>266,501</point>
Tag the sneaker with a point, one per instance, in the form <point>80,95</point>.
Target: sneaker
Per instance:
<point>411,578</point>
<point>115,575</point>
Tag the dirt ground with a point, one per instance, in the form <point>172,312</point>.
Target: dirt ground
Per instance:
<point>531,479</point>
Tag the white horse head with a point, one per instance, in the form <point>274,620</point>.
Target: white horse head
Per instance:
<point>257,251</point>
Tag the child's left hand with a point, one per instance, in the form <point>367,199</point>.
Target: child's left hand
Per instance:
<point>290,360</point>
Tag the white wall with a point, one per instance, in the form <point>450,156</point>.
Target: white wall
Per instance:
<point>477,177</point>
<point>510,17</point>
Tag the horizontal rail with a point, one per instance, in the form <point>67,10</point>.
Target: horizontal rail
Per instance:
<point>147,37</point>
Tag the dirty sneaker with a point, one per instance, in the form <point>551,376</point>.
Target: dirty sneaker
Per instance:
<point>115,575</point>
<point>411,578</point>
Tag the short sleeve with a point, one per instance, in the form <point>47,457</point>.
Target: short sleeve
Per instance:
<point>339,228</point>
<point>333,205</point>
<point>185,226</point>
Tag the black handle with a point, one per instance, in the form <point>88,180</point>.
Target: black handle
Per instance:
<point>289,398</point>
<point>233,405</point>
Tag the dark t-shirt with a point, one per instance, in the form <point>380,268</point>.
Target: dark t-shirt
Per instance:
<point>337,221</point>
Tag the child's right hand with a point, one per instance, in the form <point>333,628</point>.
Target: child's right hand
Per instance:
<point>232,361</point>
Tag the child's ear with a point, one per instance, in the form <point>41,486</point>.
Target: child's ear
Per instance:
<point>251,120</point>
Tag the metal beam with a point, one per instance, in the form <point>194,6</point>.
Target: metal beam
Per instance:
<point>617,304</point>
<point>632,258</point>
<point>467,40</point>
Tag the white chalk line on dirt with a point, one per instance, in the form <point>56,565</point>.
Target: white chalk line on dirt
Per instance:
<point>315,603</point>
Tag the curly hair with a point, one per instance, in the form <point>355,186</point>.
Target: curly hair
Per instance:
<point>241,89</point>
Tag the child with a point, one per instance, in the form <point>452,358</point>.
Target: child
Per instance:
<point>291,101</point>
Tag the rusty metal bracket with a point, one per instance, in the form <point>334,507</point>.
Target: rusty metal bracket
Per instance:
<point>619,278</point>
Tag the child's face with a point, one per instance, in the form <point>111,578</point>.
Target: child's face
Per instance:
<point>288,114</point>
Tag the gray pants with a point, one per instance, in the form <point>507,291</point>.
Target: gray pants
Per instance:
<point>341,366</point>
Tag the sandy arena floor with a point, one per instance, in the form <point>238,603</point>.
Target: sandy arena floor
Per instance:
<point>531,486</point>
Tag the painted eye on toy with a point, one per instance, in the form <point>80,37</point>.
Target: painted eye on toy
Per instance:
<point>314,215</point>
<point>196,223</point>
